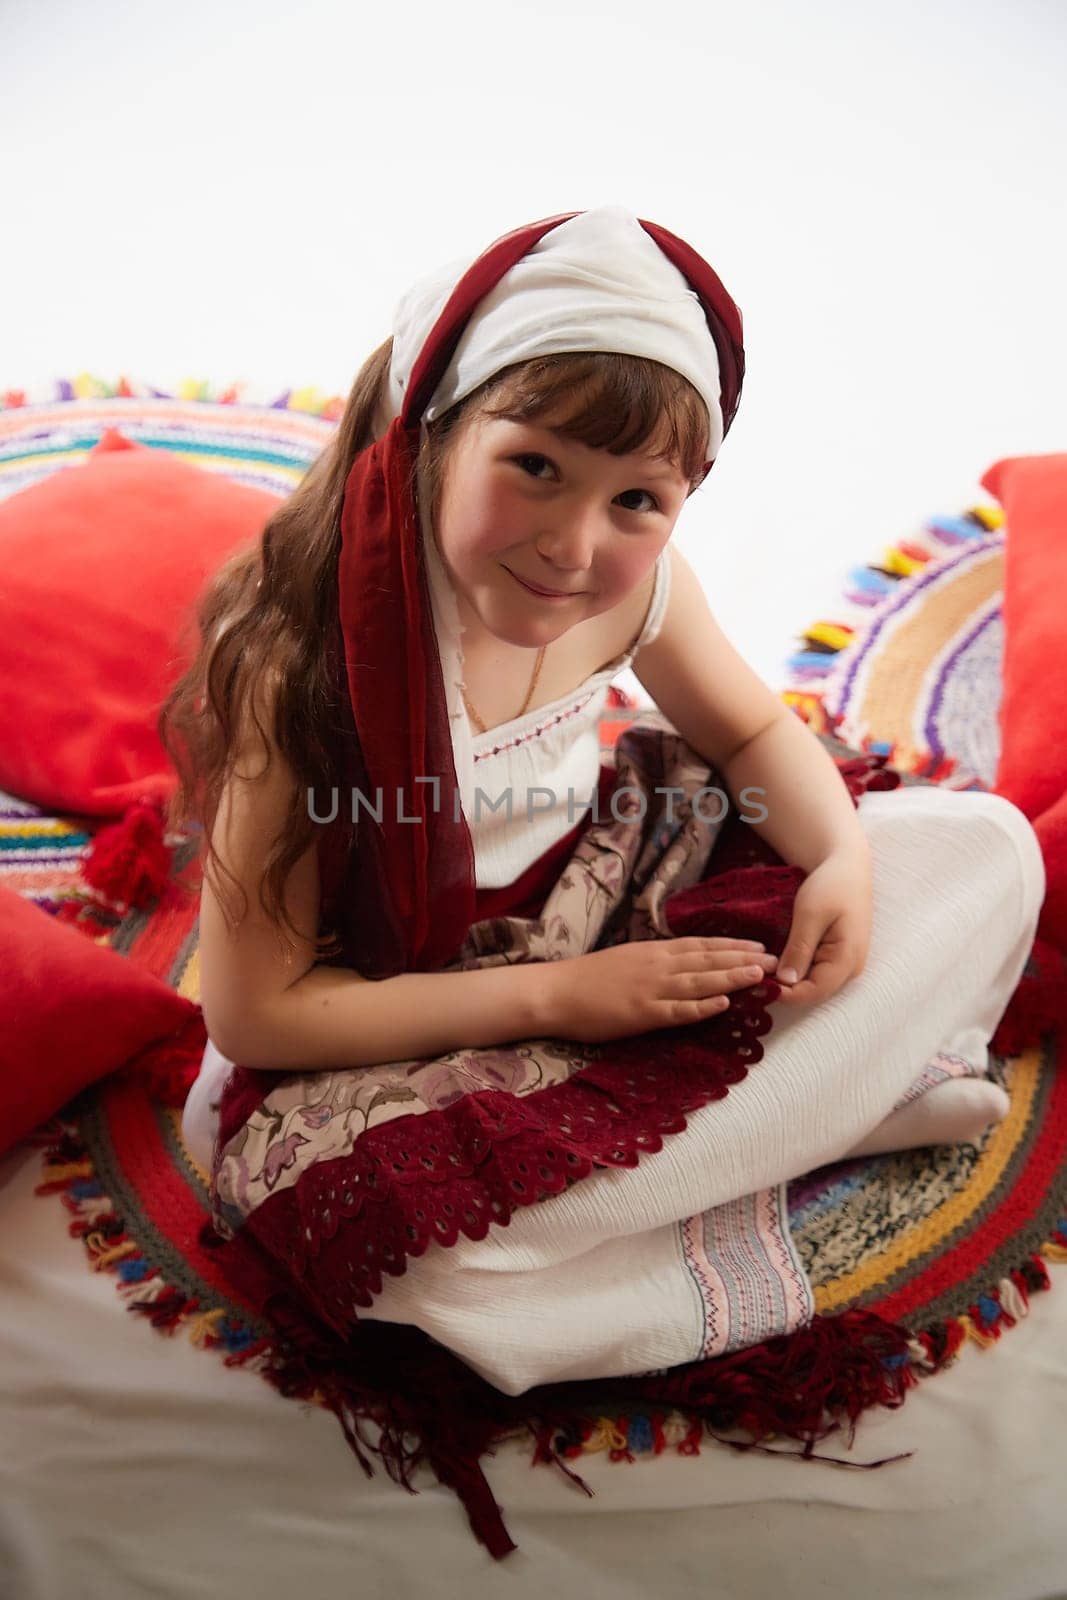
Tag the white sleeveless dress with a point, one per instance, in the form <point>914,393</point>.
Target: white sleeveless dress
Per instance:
<point>547,761</point>
<point>645,1268</point>
<point>596,1281</point>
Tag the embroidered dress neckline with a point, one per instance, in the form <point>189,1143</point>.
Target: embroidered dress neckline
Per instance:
<point>550,707</point>
<point>583,692</point>
<point>611,669</point>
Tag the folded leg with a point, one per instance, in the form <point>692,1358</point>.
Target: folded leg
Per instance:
<point>954,1112</point>
<point>200,1114</point>
<point>958,884</point>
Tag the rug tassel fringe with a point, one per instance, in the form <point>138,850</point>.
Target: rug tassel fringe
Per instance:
<point>71,1175</point>
<point>89,386</point>
<point>867,586</point>
<point>785,1388</point>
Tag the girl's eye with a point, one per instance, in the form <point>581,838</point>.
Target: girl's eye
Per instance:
<point>533,456</point>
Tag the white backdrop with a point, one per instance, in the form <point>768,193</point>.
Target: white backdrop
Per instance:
<point>241,189</point>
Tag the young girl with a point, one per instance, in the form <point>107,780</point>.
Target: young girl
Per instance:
<point>454,606</point>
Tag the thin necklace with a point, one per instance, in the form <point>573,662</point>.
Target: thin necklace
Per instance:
<point>476,719</point>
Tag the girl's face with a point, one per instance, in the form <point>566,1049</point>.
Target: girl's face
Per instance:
<point>519,502</point>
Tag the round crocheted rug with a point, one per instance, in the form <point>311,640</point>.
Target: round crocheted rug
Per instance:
<point>910,668</point>
<point>949,1242</point>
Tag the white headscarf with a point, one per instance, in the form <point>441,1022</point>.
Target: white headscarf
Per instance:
<point>596,282</point>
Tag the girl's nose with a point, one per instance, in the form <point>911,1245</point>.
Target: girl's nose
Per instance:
<point>570,546</point>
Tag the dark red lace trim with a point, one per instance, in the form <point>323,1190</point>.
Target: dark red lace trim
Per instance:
<point>426,1179</point>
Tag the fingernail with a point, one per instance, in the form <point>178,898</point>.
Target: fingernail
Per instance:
<point>787,974</point>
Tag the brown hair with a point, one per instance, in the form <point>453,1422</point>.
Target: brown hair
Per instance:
<point>263,617</point>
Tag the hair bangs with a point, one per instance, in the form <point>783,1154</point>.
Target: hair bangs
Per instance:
<point>607,401</point>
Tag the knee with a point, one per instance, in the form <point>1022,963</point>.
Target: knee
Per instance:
<point>1004,821</point>
<point>994,839</point>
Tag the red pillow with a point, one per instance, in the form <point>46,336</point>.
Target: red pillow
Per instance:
<point>1032,768</point>
<point>74,1011</point>
<point>101,566</point>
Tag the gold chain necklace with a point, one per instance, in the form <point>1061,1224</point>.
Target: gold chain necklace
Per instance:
<point>476,719</point>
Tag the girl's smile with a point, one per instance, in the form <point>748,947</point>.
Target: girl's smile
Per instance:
<point>545,594</point>
<point>583,529</point>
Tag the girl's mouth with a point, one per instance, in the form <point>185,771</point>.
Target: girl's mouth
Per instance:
<point>543,594</point>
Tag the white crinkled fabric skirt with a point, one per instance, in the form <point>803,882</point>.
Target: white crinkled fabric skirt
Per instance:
<point>603,1279</point>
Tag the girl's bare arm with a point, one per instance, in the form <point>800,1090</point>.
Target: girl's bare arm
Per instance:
<point>266,1009</point>
<point>333,1018</point>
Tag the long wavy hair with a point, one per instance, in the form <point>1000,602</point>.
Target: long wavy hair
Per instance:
<point>260,622</point>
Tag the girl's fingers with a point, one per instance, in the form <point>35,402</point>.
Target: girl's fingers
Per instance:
<point>697,982</point>
<point>729,960</point>
<point>718,942</point>
<point>735,960</point>
<point>807,990</point>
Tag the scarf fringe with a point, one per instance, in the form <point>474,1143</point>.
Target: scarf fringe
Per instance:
<point>798,1387</point>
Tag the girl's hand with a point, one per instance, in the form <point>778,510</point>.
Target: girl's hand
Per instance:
<point>831,930</point>
<point>647,984</point>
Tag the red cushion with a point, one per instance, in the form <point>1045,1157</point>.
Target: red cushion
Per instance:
<point>74,1011</point>
<point>100,569</point>
<point>1032,768</point>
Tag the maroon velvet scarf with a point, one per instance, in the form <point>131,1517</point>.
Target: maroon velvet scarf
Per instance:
<point>401,894</point>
